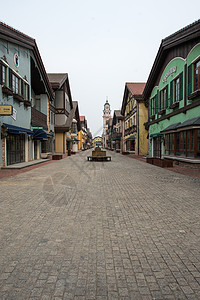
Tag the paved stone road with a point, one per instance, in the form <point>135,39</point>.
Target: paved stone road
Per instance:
<point>124,229</point>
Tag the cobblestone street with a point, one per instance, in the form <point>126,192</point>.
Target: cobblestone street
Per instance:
<point>124,229</point>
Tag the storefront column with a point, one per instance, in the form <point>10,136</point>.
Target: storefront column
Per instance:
<point>26,148</point>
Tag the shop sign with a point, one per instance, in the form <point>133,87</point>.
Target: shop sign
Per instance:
<point>37,127</point>
<point>171,71</point>
<point>6,110</point>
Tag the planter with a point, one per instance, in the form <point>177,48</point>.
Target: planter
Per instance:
<point>174,105</point>
<point>18,97</point>
<point>160,162</point>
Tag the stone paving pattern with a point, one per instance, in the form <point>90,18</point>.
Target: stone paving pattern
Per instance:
<point>123,229</point>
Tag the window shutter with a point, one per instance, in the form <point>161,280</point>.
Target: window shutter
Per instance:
<point>10,79</point>
<point>28,93</point>
<point>156,104</point>
<point>160,100</point>
<point>189,79</point>
<point>181,86</point>
<point>167,96</point>
<point>0,72</point>
<point>22,88</point>
<point>171,92</point>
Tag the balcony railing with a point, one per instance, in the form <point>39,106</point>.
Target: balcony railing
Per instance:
<point>131,129</point>
<point>38,118</point>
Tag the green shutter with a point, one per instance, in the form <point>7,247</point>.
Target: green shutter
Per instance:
<point>181,86</point>
<point>167,96</point>
<point>160,100</point>
<point>150,107</point>
<point>156,104</point>
<point>189,79</point>
<point>171,92</point>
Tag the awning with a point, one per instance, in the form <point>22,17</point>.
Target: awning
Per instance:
<point>155,134</point>
<point>132,137</point>
<point>191,122</point>
<point>17,130</point>
<point>39,135</point>
<point>172,127</point>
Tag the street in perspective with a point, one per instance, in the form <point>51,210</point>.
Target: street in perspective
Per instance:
<point>78,229</point>
<point>100,195</point>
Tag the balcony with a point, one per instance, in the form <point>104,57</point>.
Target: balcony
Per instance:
<point>131,130</point>
<point>38,118</point>
<point>116,135</point>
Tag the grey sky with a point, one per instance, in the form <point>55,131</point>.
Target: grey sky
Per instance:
<point>100,44</point>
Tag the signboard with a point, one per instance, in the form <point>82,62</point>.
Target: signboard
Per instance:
<point>37,127</point>
<point>6,110</point>
<point>14,115</point>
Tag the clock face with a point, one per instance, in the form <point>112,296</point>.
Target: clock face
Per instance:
<point>107,106</point>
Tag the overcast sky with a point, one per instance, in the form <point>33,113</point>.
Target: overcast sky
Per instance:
<point>100,44</point>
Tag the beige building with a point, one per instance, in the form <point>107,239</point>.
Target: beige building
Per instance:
<point>136,115</point>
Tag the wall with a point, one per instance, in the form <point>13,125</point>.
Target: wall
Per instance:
<point>143,117</point>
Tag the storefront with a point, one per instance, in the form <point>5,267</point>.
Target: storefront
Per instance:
<point>173,95</point>
<point>16,143</point>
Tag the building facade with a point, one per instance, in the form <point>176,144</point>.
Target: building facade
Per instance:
<point>63,106</point>
<point>97,142</point>
<point>135,115</point>
<point>173,95</point>
<point>106,117</point>
<point>118,130</point>
<point>24,86</point>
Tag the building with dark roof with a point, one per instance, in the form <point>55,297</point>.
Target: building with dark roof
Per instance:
<point>172,94</point>
<point>63,106</point>
<point>135,115</point>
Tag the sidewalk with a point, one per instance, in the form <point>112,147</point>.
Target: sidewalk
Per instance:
<point>178,169</point>
<point>16,169</point>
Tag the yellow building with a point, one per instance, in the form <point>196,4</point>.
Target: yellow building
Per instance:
<point>97,142</point>
<point>80,137</point>
<point>136,114</point>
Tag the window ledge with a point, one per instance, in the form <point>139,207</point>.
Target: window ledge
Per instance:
<point>152,117</point>
<point>174,105</point>
<point>194,95</point>
<point>185,159</point>
<point>27,102</point>
<point>162,112</point>
<point>18,97</point>
<point>6,90</point>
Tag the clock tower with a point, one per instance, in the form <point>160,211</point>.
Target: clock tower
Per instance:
<point>106,117</point>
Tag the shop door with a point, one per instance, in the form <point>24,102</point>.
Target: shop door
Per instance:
<point>157,147</point>
<point>15,148</point>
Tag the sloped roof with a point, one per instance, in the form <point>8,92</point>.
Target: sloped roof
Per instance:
<point>10,34</point>
<point>136,88</point>
<point>82,118</point>
<point>188,33</point>
<point>57,79</point>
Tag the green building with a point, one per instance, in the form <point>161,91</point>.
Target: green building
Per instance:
<point>172,93</point>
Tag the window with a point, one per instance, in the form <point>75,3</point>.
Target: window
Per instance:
<point>176,89</point>
<point>3,73</point>
<point>153,106</point>
<point>197,76</point>
<point>163,103</point>
<point>74,128</point>
<point>15,84</point>
<point>182,143</point>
